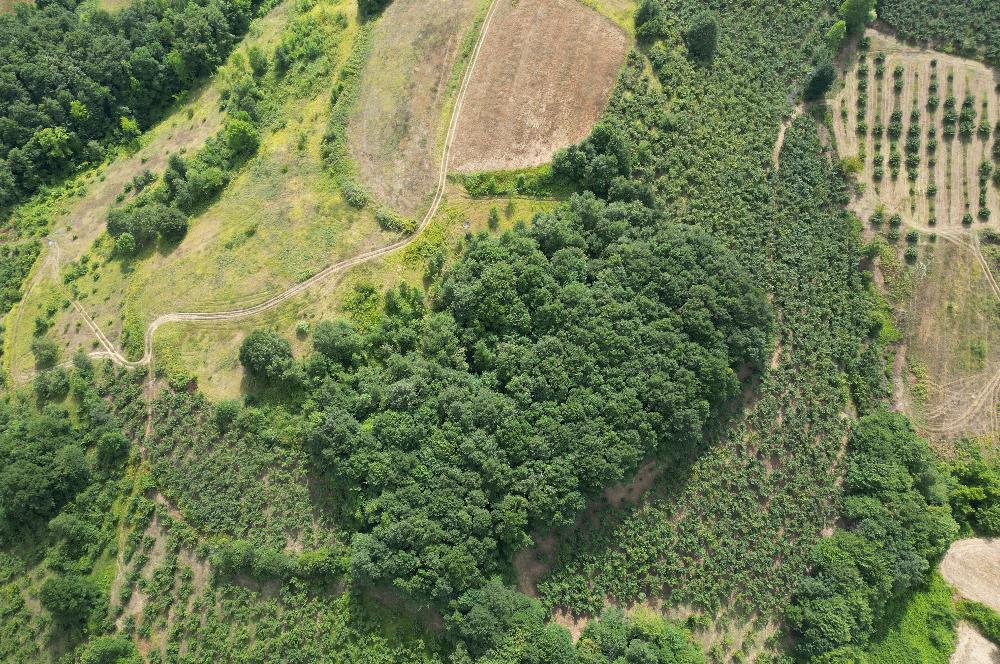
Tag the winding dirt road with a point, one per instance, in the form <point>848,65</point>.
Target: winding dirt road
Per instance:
<point>147,357</point>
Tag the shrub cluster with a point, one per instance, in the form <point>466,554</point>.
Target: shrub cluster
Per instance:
<point>187,186</point>
<point>896,505</point>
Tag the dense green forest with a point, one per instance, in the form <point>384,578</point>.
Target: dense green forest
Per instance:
<point>899,521</point>
<point>556,359</point>
<point>694,306</point>
<point>75,80</point>
<point>763,490</point>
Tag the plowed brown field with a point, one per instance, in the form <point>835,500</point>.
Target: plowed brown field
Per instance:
<point>544,77</point>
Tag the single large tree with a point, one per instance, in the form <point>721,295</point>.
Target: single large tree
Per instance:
<point>265,354</point>
<point>857,13</point>
<point>70,598</point>
<point>820,81</point>
<point>702,36</point>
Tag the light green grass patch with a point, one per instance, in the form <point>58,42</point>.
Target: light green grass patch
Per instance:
<point>987,620</point>
<point>621,12</point>
<point>533,181</point>
<point>922,629</point>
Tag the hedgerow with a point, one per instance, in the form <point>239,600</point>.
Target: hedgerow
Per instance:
<point>342,102</point>
<point>969,27</point>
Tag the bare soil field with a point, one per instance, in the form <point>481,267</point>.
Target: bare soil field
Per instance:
<point>956,160</point>
<point>972,567</point>
<point>544,77</point>
<point>973,647</point>
<point>952,355</point>
<point>393,131</point>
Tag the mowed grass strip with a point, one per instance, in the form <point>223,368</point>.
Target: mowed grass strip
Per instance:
<point>406,86</point>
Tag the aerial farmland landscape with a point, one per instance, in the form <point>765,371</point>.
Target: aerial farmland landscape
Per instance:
<point>500,331</point>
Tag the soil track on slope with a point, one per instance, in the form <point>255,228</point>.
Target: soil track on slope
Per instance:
<point>109,351</point>
<point>973,647</point>
<point>548,69</point>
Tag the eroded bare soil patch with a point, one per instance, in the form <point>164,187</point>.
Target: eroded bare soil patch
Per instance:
<point>972,567</point>
<point>543,79</point>
<point>973,647</point>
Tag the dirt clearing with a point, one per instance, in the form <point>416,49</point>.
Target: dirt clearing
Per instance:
<point>972,567</point>
<point>545,74</point>
<point>899,113</point>
<point>973,647</point>
<point>8,5</point>
<point>394,130</point>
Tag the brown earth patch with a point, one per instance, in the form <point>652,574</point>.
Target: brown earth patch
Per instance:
<point>973,647</point>
<point>393,132</point>
<point>8,5</point>
<point>972,567</point>
<point>545,74</point>
<point>534,562</point>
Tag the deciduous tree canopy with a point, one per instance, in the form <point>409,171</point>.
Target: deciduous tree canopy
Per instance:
<point>72,78</point>
<point>556,359</point>
<point>900,521</point>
